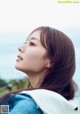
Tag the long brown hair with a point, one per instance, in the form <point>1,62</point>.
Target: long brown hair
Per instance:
<point>61,52</point>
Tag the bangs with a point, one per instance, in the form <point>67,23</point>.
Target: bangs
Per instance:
<point>43,35</point>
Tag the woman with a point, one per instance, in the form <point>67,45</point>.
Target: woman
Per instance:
<point>48,58</point>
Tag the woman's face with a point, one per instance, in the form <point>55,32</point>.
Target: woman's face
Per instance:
<point>32,57</point>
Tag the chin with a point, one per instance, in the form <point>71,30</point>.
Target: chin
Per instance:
<point>17,67</point>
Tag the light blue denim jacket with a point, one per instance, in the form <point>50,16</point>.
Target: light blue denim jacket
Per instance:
<point>23,104</point>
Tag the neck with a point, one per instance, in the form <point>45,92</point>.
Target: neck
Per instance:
<point>36,79</point>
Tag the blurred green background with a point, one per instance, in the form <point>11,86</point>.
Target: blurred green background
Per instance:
<point>6,87</point>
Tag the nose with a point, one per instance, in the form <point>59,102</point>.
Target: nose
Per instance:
<point>21,48</point>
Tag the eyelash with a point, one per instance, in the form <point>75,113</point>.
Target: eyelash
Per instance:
<point>30,43</point>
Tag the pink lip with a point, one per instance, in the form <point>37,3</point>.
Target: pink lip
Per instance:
<point>19,58</point>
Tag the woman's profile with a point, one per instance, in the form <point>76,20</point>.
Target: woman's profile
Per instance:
<point>48,58</point>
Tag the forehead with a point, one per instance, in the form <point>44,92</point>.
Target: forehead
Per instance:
<point>35,34</point>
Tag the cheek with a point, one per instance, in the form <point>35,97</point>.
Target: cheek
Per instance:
<point>35,58</point>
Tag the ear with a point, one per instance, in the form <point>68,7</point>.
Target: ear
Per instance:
<point>48,63</point>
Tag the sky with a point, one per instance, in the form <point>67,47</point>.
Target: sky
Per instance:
<point>19,17</point>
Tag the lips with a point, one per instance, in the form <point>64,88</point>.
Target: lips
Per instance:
<point>19,58</point>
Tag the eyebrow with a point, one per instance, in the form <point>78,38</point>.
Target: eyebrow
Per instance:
<point>33,38</point>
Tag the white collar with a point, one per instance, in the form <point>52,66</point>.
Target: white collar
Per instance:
<point>53,103</point>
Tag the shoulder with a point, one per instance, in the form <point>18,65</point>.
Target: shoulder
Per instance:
<point>24,104</point>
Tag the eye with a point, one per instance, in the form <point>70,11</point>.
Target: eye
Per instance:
<point>32,44</point>
<point>29,43</point>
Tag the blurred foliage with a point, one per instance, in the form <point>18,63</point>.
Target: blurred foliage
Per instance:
<point>14,85</point>
<point>2,82</point>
